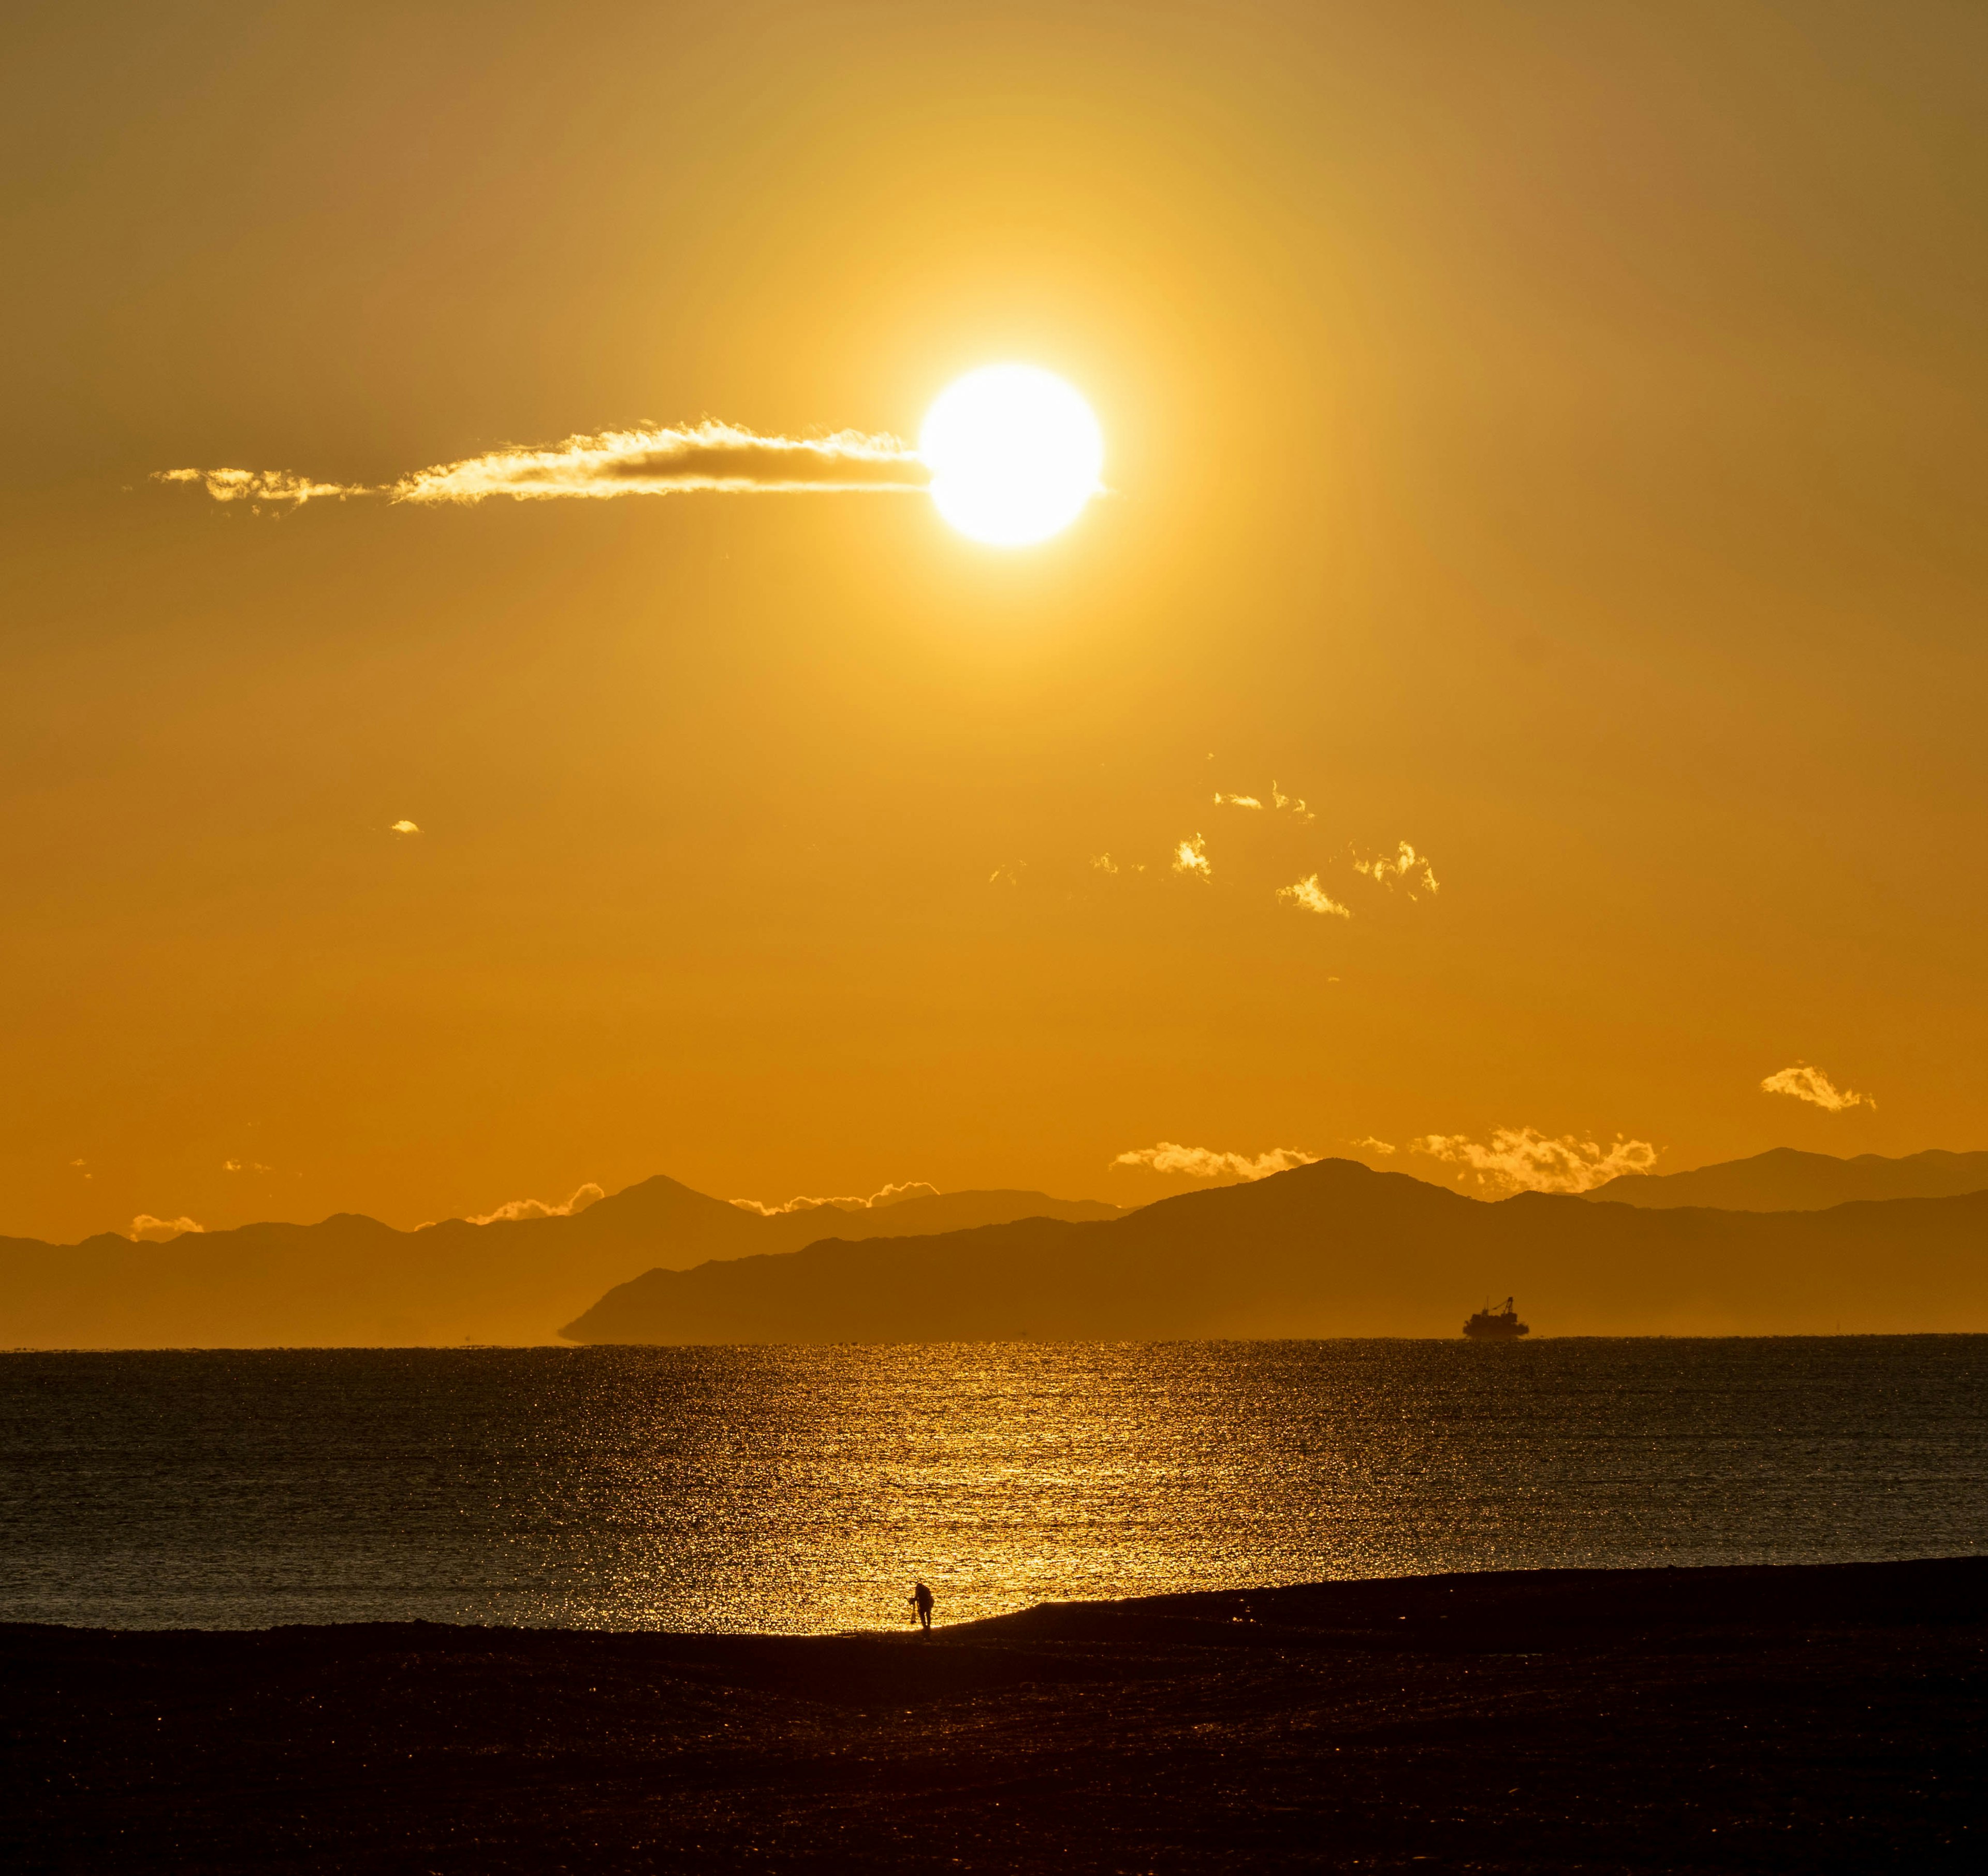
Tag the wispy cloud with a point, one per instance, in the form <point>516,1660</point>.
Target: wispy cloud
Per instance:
<point>245,1166</point>
<point>877,1201</point>
<point>1810,1085</point>
<point>538,1208</point>
<point>1103,863</point>
<point>1371,1145</point>
<point>1190,857</point>
<point>273,487</point>
<point>1522,1160</point>
<point>148,1229</point>
<point>1205,1162</point>
<point>721,458</point>
<point>403,827</point>
<point>1310,895</point>
<point>1408,867</point>
<point>1280,802</point>
<point>712,457</point>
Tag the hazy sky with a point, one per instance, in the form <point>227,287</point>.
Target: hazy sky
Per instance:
<point>1548,435</point>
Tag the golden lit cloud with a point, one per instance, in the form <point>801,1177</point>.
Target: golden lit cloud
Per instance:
<point>877,1201</point>
<point>1407,867</point>
<point>717,457</point>
<point>1280,802</point>
<point>1810,1085</point>
<point>1104,863</point>
<point>250,1166</point>
<point>403,827</point>
<point>712,457</point>
<point>1310,895</point>
<point>257,486</point>
<point>1371,1145</point>
<point>1522,1160</point>
<point>148,1229</point>
<point>538,1208</point>
<point>1190,857</point>
<point>1205,1162</point>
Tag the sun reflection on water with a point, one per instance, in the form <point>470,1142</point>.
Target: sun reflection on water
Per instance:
<point>806,1489</point>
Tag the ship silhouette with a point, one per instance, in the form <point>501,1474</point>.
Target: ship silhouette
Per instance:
<point>1489,1324</point>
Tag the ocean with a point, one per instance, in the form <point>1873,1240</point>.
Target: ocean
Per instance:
<point>803,1490</point>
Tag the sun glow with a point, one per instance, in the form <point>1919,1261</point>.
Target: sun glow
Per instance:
<point>1014,453</point>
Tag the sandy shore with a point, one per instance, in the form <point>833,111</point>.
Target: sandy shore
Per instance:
<point>1822,1718</point>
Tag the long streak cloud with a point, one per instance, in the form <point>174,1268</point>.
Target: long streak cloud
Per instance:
<point>1207,1163</point>
<point>717,458</point>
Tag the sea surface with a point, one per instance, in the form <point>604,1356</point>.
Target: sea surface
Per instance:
<point>804,1489</point>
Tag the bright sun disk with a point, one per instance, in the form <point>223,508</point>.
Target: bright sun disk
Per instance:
<point>1014,453</point>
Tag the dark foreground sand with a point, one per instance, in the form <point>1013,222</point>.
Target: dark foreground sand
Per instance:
<point>1831,1718</point>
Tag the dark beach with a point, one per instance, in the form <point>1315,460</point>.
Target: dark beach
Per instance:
<point>1799,1718</point>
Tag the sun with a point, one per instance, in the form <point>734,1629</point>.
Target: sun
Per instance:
<point>1014,453</point>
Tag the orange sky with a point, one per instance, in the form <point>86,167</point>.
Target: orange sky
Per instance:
<point>1548,435</point>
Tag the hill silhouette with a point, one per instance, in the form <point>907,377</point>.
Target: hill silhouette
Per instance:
<point>1335,1249</point>
<point>1785,1179</point>
<point>352,1281</point>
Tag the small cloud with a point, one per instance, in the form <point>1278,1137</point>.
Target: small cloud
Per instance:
<point>258,486</point>
<point>1810,1085</point>
<point>1371,1145</point>
<point>1104,863</point>
<point>149,1230</point>
<point>877,1201</point>
<point>1525,1161</point>
<point>249,1166</point>
<point>538,1208</point>
<point>1280,802</point>
<point>1310,895</point>
<point>1412,869</point>
<point>894,1195</point>
<point>1190,857</point>
<point>1006,875</point>
<point>79,1162</point>
<point>1206,1163</point>
<point>403,827</point>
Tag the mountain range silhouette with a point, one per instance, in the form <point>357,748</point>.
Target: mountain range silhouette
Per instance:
<point>1329,1249</point>
<point>1785,1179</point>
<point>352,1281</point>
<point>1335,1249</point>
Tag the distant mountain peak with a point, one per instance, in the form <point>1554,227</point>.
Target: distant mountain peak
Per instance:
<point>1790,1179</point>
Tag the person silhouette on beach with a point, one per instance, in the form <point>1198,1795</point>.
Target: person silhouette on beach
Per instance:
<point>921,1601</point>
